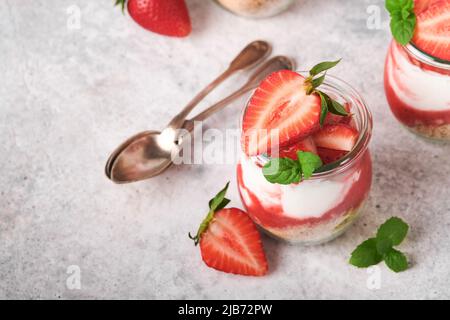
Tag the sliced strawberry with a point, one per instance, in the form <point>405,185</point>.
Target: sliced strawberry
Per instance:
<point>332,118</point>
<point>279,108</point>
<point>307,145</point>
<point>336,137</point>
<point>432,33</point>
<point>422,5</point>
<point>330,155</point>
<point>232,244</point>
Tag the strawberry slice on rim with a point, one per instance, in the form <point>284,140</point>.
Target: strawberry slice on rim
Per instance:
<point>279,113</point>
<point>306,145</point>
<point>337,137</point>
<point>330,155</point>
<point>432,33</point>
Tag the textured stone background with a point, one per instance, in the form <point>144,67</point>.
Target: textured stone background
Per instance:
<point>68,97</point>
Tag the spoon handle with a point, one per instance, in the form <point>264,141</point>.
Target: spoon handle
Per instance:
<point>272,65</point>
<point>252,54</point>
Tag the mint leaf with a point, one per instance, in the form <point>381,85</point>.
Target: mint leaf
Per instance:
<point>403,19</point>
<point>384,245</point>
<point>287,171</point>
<point>406,13</point>
<point>215,204</point>
<point>389,234</point>
<point>282,171</point>
<point>395,260</point>
<point>309,162</point>
<point>366,254</point>
<point>403,29</point>
<point>323,66</point>
<point>394,230</point>
<point>394,5</point>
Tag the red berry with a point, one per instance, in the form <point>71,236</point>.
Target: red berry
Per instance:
<point>280,106</point>
<point>166,17</point>
<point>337,137</point>
<point>232,244</point>
<point>432,33</point>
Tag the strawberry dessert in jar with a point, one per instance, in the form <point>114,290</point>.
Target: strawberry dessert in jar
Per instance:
<point>417,74</point>
<point>322,167</point>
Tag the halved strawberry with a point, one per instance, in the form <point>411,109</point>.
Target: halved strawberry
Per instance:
<point>232,244</point>
<point>330,155</point>
<point>306,145</point>
<point>332,118</point>
<point>432,33</point>
<point>279,108</point>
<point>229,240</point>
<point>337,137</point>
<point>422,5</point>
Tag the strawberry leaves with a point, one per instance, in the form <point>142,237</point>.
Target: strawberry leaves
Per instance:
<point>287,171</point>
<point>403,19</point>
<point>215,204</point>
<point>121,3</point>
<point>323,66</point>
<point>315,79</point>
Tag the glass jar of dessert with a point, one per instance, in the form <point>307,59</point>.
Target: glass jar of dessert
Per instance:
<point>255,8</point>
<point>417,88</point>
<point>417,74</point>
<point>321,208</point>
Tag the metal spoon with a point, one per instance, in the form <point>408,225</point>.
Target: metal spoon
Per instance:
<point>144,157</point>
<point>254,53</point>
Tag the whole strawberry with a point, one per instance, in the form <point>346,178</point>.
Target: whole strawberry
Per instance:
<point>166,17</point>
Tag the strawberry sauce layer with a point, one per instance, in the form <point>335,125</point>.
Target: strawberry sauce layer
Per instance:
<point>267,203</point>
<point>417,95</point>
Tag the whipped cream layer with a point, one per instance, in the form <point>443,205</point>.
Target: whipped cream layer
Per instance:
<point>418,88</point>
<point>308,199</point>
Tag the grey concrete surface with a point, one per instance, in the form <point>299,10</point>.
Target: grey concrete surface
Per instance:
<point>69,95</point>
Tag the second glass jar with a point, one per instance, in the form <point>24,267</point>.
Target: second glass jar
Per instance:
<point>255,8</point>
<point>417,88</point>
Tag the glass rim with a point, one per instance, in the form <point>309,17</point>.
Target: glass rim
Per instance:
<point>347,91</point>
<point>426,58</point>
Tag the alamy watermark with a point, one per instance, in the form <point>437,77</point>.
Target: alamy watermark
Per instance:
<point>73,281</point>
<point>73,17</point>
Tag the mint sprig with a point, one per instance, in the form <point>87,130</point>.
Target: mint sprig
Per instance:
<point>287,171</point>
<point>316,78</point>
<point>215,204</point>
<point>403,19</point>
<point>374,250</point>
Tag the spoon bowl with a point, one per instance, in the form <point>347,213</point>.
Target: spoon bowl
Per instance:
<point>145,156</point>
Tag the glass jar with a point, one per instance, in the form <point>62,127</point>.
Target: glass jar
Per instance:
<point>255,8</point>
<point>417,88</point>
<point>321,208</point>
